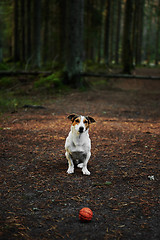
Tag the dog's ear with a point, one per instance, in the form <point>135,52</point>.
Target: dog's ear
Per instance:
<point>72,117</point>
<point>90,119</point>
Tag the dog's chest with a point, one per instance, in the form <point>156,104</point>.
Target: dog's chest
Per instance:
<point>76,147</point>
<point>79,149</point>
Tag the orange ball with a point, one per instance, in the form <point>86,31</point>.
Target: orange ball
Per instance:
<point>85,214</point>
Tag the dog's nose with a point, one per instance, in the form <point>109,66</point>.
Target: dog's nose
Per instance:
<point>81,129</point>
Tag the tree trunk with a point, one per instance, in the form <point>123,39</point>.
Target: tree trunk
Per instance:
<point>1,33</point>
<point>74,56</point>
<point>89,27</point>
<point>37,33</point>
<point>101,32</point>
<point>1,53</point>
<point>118,27</point>
<point>16,53</point>
<point>112,31</point>
<point>22,26</point>
<point>28,31</point>
<point>129,76</point>
<point>127,60</point>
<point>102,29</point>
<point>149,32</point>
<point>107,31</point>
<point>158,36</point>
<point>138,16</point>
<point>46,49</point>
<point>62,30</point>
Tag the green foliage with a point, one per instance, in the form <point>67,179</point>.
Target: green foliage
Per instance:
<point>95,67</point>
<point>7,104</point>
<point>10,102</point>
<point>4,66</point>
<point>8,82</point>
<point>51,83</point>
<point>15,92</point>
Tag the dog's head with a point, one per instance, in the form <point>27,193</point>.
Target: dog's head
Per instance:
<point>80,123</point>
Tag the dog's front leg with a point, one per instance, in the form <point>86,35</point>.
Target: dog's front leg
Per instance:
<point>84,168</point>
<point>70,163</point>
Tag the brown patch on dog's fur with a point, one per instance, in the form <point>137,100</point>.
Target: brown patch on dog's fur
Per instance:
<point>76,121</point>
<point>86,122</point>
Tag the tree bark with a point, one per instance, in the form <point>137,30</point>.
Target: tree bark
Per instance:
<point>104,75</point>
<point>149,32</point>
<point>46,31</point>
<point>88,25</point>
<point>1,33</point>
<point>84,74</point>
<point>127,54</point>
<point>62,30</point>
<point>157,58</point>
<point>37,33</point>
<point>112,31</point>
<point>28,31</point>
<point>101,32</point>
<point>138,31</point>
<point>74,56</point>
<point>16,53</point>
<point>118,28</point>
<point>1,52</point>
<point>107,31</point>
<point>22,26</point>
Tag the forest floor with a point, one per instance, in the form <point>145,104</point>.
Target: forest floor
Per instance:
<point>40,201</point>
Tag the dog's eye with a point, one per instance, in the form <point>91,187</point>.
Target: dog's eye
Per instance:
<point>77,120</point>
<point>85,121</point>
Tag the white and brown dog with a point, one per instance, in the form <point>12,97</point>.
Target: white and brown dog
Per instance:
<point>78,143</point>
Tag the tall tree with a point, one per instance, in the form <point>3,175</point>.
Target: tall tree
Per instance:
<point>22,30</point>
<point>118,29</point>
<point>46,30</point>
<point>89,29</point>
<point>37,33</point>
<point>127,54</point>
<point>16,52</point>
<point>62,30</point>
<point>138,30</point>
<point>1,52</point>
<point>107,31</point>
<point>149,32</point>
<point>112,31</point>
<point>101,32</point>
<point>158,35</point>
<point>1,33</point>
<point>74,56</point>
<point>28,31</point>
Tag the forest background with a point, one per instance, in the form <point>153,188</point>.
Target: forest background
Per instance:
<point>47,49</point>
<point>68,38</point>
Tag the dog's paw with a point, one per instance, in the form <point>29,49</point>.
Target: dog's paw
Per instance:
<point>70,170</point>
<point>80,165</point>
<point>85,171</point>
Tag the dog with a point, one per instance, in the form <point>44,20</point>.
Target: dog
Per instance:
<point>78,143</point>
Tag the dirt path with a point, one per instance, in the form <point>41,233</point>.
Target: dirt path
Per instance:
<point>39,199</point>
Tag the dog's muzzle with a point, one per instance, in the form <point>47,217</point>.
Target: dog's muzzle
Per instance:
<point>81,129</point>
